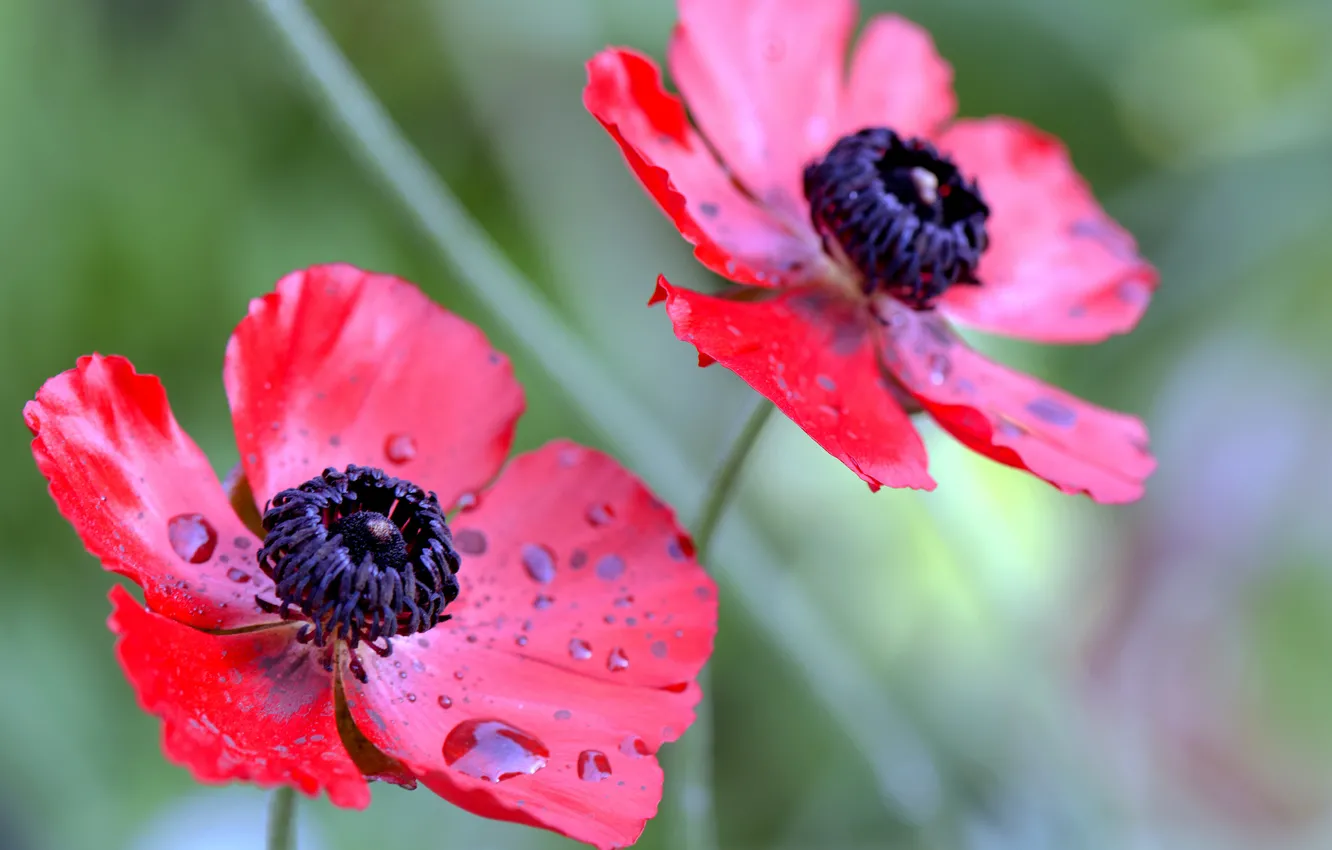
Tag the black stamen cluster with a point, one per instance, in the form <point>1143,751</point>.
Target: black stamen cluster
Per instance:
<point>900,212</point>
<point>361,555</point>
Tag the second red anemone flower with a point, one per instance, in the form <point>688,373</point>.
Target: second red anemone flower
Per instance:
<point>335,639</point>
<point>863,220</point>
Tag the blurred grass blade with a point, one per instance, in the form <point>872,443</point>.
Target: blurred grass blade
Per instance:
<point>902,763</point>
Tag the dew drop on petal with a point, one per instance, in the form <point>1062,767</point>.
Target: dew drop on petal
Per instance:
<point>635,747</point>
<point>600,514</point>
<point>579,649</point>
<point>542,601</point>
<point>658,649</point>
<point>411,697</point>
<point>617,660</point>
<point>238,575</point>
<point>940,366</point>
<point>470,541</point>
<point>593,766</point>
<point>493,750</point>
<point>539,562</point>
<point>445,702</point>
<point>192,537</point>
<point>610,567</point>
<point>681,548</point>
<point>563,714</point>
<point>826,383</point>
<point>1053,412</point>
<point>577,559</point>
<point>400,448</point>
<point>520,640</point>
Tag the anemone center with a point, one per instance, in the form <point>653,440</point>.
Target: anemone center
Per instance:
<point>362,556</point>
<point>900,213</point>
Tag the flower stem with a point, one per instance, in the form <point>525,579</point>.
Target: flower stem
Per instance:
<point>901,759</point>
<point>282,819</point>
<point>690,778</point>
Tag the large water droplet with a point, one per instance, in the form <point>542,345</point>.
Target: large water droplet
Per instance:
<point>579,649</point>
<point>238,575</point>
<point>539,562</point>
<point>617,660</point>
<point>493,750</point>
<point>681,548</point>
<point>400,448</point>
<point>192,537</point>
<point>445,702</point>
<point>600,514</point>
<point>542,602</point>
<point>610,567</point>
<point>635,747</point>
<point>593,766</point>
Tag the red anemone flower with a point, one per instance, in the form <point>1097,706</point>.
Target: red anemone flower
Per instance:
<point>310,648</point>
<point>863,220</point>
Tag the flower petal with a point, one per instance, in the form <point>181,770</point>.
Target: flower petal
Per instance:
<point>142,496</point>
<point>341,366</point>
<point>582,623</point>
<point>733,236</point>
<point>569,560</point>
<point>764,80</point>
<point>813,354</point>
<point>255,706</point>
<point>1058,269</point>
<point>1014,418</point>
<point>506,736</point>
<point>898,81</point>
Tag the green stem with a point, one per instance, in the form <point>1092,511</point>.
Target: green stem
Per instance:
<point>282,820</point>
<point>691,775</point>
<point>903,764</point>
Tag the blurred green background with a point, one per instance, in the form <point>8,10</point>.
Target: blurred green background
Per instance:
<point>1155,676</point>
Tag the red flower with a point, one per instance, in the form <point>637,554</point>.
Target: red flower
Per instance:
<point>573,645</point>
<point>916,221</point>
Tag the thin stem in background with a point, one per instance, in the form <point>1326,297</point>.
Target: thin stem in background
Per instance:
<point>903,765</point>
<point>690,777</point>
<point>282,819</point>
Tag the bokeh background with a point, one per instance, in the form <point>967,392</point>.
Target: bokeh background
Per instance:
<point>1062,675</point>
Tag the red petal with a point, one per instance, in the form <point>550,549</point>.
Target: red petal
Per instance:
<point>1014,418</point>
<point>255,706</point>
<point>141,494</point>
<point>341,366</point>
<point>732,235</point>
<point>898,80</point>
<point>582,623</point>
<point>1058,269</point>
<point>495,713</point>
<point>576,549</point>
<point>764,80</point>
<point>813,355</point>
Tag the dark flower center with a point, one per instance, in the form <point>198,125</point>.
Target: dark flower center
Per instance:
<point>900,212</point>
<point>361,555</point>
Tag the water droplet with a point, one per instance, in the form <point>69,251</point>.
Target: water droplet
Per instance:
<point>610,567</point>
<point>703,592</point>
<point>600,514</point>
<point>400,448</point>
<point>1053,412</point>
<point>635,747</point>
<point>658,648</point>
<point>681,548</point>
<point>242,542</point>
<point>827,383</point>
<point>539,562</point>
<point>445,702</point>
<point>468,501</point>
<point>940,366</point>
<point>192,537</point>
<point>617,660</point>
<point>577,559</point>
<point>579,649</point>
<point>411,697</point>
<point>593,766</point>
<point>238,575</point>
<point>493,750</point>
<point>521,640</point>
<point>563,714</point>
<point>542,602</point>
<point>458,674</point>
<point>1134,292</point>
<point>623,601</point>
<point>470,541</point>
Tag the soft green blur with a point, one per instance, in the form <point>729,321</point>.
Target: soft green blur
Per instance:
<point>1153,676</point>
